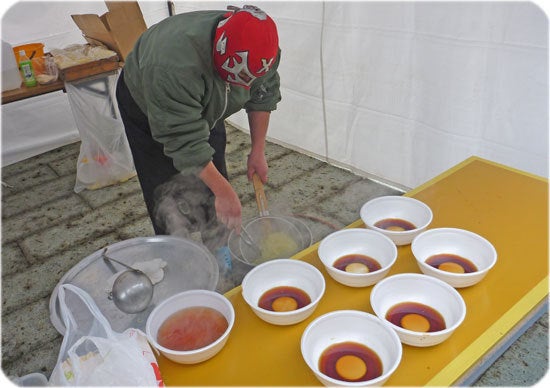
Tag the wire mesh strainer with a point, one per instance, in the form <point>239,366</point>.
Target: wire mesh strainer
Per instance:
<point>272,237</point>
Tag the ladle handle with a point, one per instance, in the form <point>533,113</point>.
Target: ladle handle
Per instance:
<point>261,199</point>
<point>104,254</point>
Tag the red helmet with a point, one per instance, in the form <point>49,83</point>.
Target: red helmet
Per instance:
<point>245,45</point>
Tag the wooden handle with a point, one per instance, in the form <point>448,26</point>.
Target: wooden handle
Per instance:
<point>261,199</point>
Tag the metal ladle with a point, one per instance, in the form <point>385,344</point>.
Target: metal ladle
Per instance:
<point>132,290</point>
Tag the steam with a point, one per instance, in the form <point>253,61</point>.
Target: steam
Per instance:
<point>185,208</point>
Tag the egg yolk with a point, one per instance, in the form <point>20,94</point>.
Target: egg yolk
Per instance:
<point>415,322</point>
<point>351,367</point>
<point>451,267</point>
<point>357,268</point>
<point>284,303</point>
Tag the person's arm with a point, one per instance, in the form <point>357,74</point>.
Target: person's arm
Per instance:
<point>258,122</point>
<point>265,94</point>
<point>227,203</point>
<point>178,123</point>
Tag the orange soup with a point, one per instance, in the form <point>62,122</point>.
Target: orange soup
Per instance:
<point>192,328</point>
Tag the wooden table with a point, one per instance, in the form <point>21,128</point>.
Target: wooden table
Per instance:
<point>78,73</point>
<point>25,92</point>
<point>506,206</point>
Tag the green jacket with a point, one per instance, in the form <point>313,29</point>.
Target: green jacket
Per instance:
<point>171,76</point>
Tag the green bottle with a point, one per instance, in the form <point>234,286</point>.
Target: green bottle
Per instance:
<point>27,72</point>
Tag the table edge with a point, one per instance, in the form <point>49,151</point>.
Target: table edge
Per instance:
<point>490,337</point>
<point>464,163</point>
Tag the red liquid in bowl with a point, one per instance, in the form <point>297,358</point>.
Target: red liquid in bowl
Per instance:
<point>192,328</point>
<point>416,317</point>
<point>357,263</point>
<point>451,263</point>
<point>284,298</point>
<point>395,224</point>
<point>350,361</point>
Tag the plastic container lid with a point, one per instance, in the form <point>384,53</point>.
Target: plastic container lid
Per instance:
<point>189,266</point>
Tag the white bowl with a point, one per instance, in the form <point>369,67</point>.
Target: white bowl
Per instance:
<point>425,290</point>
<point>351,326</point>
<point>280,273</point>
<point>457,242</point>
<point>397,207</point>
<point>362,242</point>
<point>192,298</point>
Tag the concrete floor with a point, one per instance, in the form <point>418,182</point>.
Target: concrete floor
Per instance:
<point>47,229</point>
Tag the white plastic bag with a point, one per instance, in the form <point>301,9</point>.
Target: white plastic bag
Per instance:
<point>105,157</point>
<point>92,354</point>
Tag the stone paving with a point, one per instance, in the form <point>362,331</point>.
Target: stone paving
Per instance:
<point>47,228</point>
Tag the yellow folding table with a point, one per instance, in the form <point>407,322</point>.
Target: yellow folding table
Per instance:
<point>506,206</point>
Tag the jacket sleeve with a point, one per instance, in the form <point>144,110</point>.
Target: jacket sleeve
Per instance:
<point>265,91</point>
<point>175,116</point>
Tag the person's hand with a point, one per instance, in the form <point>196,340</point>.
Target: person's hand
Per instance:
<point>229,209</point>
<point>257,164</point>
<point>227,203</point>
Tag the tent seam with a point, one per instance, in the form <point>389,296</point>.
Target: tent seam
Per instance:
<point>323,102</point>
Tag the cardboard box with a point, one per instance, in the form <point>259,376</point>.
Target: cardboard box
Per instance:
<point>117,29</point>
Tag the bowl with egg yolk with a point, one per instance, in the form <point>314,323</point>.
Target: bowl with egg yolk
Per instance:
<point>283,291</point>
<point>350,348</point>
<point>357,257</point>
<point>397,217</point>
<point>423,310</point>
<point>458,257</point>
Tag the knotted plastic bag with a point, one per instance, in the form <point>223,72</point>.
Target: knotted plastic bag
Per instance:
<point>92,354</point>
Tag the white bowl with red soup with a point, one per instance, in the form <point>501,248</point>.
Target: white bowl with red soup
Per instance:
<point>423,310</point>
<point>357,257</point>
<point>192,326</point>
<point>398,217</point>
<point>458,257</point>
<point>283,291</point>
<point>351,348</point>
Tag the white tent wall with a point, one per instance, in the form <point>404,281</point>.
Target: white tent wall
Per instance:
<point>405,90</point>
<point>396,90</point>
<point>413,88</point>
